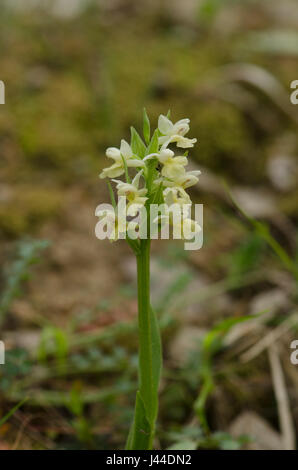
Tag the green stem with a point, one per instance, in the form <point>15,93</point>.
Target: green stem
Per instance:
<point>143,428</point>
<point>145,357</point>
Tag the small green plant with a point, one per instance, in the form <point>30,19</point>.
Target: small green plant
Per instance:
<point>211,345</point>
<point>262,231</point>
<point>165,184</point>
<point>28,252</point>
<point>75,405</point>
<point>54,341</point>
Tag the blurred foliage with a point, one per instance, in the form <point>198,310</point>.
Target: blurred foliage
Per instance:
<point>193,438</point>
<point>29,208</point>
<point>224,138</point>
<point>28,253</point>
<point>246,257</point>
<point>74,84</point>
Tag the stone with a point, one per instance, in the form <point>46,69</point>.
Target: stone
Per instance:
<point>263,436</point>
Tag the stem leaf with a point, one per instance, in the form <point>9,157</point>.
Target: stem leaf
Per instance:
<point>140,435</point>
<point>153,145</point>
<point>137,144</point>
<point>112,196</point>
<point>156,351</point>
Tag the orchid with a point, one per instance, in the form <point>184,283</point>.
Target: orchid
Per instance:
<point>176,195</point>
<point>172,166</point>
<point>189,228</point>
<point>108,218</point>
<point>134,195</point>
<point>183,180</point>
<point>123,156</point>
<point>174,132</point>
<point>165,182</point>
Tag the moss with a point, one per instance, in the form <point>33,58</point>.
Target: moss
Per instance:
<point>28,209</point>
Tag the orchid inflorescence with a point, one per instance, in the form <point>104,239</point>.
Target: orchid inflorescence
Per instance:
<point>164,174</point>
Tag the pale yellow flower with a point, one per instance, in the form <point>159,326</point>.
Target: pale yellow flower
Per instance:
<point>176,195</point>
<point>117,169</point>
<point>189,228</point>
<point>134,195</point>
<point>174,132</point>
<point>172,166</point>
<point>108,218</point>
<point>182,180</point>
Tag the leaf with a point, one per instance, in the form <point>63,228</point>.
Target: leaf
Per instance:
<point>112,196</point>
<point>263,231</point>
<point>140,435</point>
<point>157,195</point>
<point>12,411</point>
<point>142,430</point>
<point>62,346</point>
<point>222,329</point>
<point>151,164</point>
<point>137,144</point>
<point>146,127</point>
<point>153,146</point>
<point>54,341</point>
<point>151,362</point>
<point>200,402</point>
<point>75,402</point>
<point>156,349</point>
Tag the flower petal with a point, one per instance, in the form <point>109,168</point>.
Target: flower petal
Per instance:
<point>165,155</point>
<point>165,125</point>
<point>136,180</point>
<point>184,142</point>
<point>135,163</point>
<point>181,127</point>
<point>180,160</point>
<point>113,152</point>
<point>125,149</point>
<point>112,172</point>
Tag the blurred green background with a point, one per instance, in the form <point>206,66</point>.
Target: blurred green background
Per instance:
<point>77,75</point>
